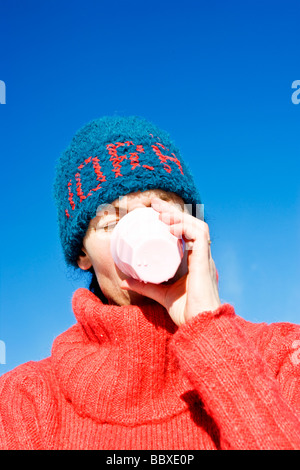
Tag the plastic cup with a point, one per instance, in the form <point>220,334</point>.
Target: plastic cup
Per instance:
<point>143,248</point>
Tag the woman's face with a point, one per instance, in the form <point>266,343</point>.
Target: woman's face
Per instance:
<point>96,245</point>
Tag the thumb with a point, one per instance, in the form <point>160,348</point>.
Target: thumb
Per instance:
<point>156,292</point>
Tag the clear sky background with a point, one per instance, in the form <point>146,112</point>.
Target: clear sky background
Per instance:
<point>217,75</point>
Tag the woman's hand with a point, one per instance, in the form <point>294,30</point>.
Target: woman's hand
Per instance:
<point>195,292</point>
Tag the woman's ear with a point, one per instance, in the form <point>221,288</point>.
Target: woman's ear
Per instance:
<point>83,260</point>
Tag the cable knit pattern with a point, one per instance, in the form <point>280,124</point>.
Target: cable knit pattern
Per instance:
<point>128,378</point>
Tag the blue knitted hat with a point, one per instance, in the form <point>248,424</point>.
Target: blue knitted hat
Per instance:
<point>110,157</point>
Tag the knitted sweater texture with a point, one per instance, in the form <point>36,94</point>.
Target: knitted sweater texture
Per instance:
<point>128,378</point>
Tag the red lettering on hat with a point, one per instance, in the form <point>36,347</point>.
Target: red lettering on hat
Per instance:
<point>134,160</point>
<point>71,195</point>
<point>155,138</point>
<point>117,159</point>
<point>164,158</point>
<point>134,157</point>
<point>78,187</point>
<point>116,163</point>
<point>100,177</point>
<point>148,167</point>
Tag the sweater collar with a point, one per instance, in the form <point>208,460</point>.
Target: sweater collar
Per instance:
<point>114,365</point>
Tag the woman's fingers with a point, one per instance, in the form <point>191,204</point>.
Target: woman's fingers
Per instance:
<point>195,233</point>
<point>181,223</point>
<point>168,213</point>
<point>200,288</point>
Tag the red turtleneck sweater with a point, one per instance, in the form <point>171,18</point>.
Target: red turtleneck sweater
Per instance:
<point>128,378</point>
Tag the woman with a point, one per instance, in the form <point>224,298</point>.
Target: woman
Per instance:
<point>149,366</point>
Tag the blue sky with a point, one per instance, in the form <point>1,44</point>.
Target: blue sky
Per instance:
<point>216,75</point>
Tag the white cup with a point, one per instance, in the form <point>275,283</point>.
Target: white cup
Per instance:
<point>143,248</point>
